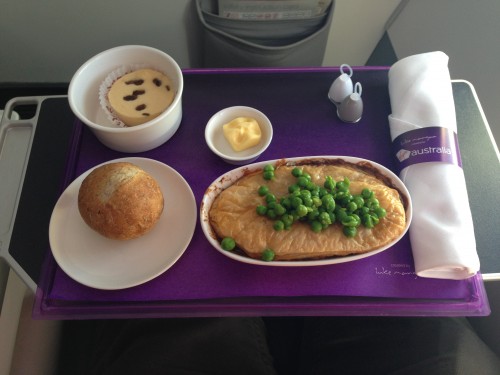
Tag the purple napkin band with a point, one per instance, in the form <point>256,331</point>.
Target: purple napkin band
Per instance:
<point>425,145</point>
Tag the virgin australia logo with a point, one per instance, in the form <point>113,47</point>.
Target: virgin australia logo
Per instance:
<point>403,154</point>
<point>432,150</point>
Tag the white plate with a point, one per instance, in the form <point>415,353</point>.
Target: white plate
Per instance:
<point>103,263</point>
<point>231,177</point>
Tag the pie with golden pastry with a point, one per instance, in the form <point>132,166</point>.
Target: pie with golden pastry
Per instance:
<point>233,214</point>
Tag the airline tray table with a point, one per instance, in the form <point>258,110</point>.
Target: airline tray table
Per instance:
<point>204,282</point>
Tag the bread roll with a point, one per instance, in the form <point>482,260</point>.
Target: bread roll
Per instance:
<point>120,201</point>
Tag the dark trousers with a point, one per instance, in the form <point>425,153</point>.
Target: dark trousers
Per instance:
<point>254,346</point>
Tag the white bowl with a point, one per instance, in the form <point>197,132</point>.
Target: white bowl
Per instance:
<point>217,142</point>
<point>83,97</point>
<point>229,178</point>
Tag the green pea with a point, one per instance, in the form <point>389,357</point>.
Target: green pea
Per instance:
<point>328,202</point>
<point>297,172</point>
<point>339,195</point>
<point>285,202</point>
<point>312,187</point>
<point>346,198</point>
<point>263,190</point>
<point>268,175</point>
<point>367,193</point>
<point>270,198</point>
<point>279,209</point>
<point>301,210</point>
<point>293,188</point>
<point>351,206</point>
<point>267,255</point>
<point>349,221</point>
<point>296,201</point>
<point>372,203</point>
<point>322,192</point>
<point>271,205</point>
<point>279,225</point>
<point>271,214</point>
<point>324,219</point>
<point>316,226</point>
<point>302,181</point>
<point>380,212</point>
<point>364,210</point>
<point>349,231</point>
<point>342,186</point>
<point>367,221</point>
<point>357,218</point>
<point>329,183</point>
<point>341,214</point>
<point>261,210</point>
<point>227,243</point>
<point>305,194</point>
<point>312,215</point>
<point>317,201</point>
<point>332,217</point>
<point>287,219</point>
<point>268,168</point>
<point>360,202</point>
<point>308,202</point>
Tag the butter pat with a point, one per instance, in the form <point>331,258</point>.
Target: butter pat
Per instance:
<point>242,133</point>
<point>140,96</point>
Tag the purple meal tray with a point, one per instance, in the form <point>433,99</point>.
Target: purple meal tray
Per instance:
<point>204,282</point>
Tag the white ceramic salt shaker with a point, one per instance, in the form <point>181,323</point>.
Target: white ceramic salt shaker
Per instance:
<point>342,86</point>
<point>351,108</point>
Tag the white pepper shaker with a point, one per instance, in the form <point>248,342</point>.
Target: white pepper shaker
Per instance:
<point>351,108</point>
<point>342,86</point>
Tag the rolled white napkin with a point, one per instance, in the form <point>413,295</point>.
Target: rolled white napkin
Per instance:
<point>441,232</point>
